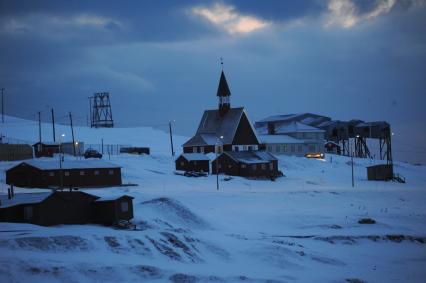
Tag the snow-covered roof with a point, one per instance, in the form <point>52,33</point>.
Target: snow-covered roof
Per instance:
<point>281,139</point>
<point>111,198</point>
<point>252,157</point>
<point>213,125</point>
<point>294,127</point>
<point>53,164</point>
<point>48,143</point>
<point>195,156</point>
<point>25,198</point>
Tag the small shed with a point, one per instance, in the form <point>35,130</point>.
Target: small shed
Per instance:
<point>332,147</point>
<point>254,164</point>
<point>70,173</point>
<point>110,210</point>
<point>10,152</point>
<point>135,150</point>
<point>46,149</point>
<point>193,162</point>
<point>47,208</point>
<point>382,172</point>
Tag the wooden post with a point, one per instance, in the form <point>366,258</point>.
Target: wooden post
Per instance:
<point>53,126</point>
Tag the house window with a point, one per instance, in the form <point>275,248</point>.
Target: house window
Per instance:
<point>254,167</point>
<point>219,166</point>
<point>194,149</point>
<point>182,163</point>
<point>270,148</point>
<point>96,172</point>
<point>202,149</point>
<point>277,148</point>
<point>284,148</point>
<point>124,206</point>
<point>229,166</point>
<point>110,172</point>
<point>244,147</point>
<point>82,173</point>
<point>195,163</point>
<point>263,166</point>
<point>250,148</point>
<point>28,212</point>
<point>292,148</point>
<point>271,166</point>
<point>66,173</point>
<point>52,174</point>
<point>299,148</point>
<point>243,166</point>
<point>236,148</point>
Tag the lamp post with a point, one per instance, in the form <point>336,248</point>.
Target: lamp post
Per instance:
<point>61,177</point>
<point>217,160</point>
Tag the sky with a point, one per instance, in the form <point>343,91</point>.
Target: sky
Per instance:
<point>160,61</point>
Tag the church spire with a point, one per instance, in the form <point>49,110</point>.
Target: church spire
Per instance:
<point>223,93</point>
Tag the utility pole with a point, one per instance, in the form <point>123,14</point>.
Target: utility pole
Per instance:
<point>72,135</point>
<point>2,105</point>
<point>39,127</point>
<point>171,137</point>
<point>53,125</point>
<point>352,165</point>
<point>90,111</point>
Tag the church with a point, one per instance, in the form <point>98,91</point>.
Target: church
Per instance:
<point>228,131</point>
<point>227,128</point>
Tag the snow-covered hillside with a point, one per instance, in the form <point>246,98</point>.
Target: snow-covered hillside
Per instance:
<point>301,228</point>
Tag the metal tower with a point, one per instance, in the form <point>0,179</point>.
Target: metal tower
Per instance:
<point>101,116</point>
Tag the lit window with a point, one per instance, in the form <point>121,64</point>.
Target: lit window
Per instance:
<point>82,173</point>
<point>110,172</point>
<point>96,172</point>
<point>51,174</point>
<point>67,173</point>
<point>124,206</point>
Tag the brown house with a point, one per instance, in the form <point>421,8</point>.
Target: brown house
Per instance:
<point>46,149</point>
<point>9,152</point>
<point>109,210</point>
<point>226,127</point>
<point>59,207</point>
<point>258,164</point>
<point>74,173</point>
<point>193,162</point>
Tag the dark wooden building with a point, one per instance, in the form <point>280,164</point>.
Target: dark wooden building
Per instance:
<point>9,152</point>
<point>193,162</point>
<point>46,149</point>
<point>225,127</point>
<point>74,173</point>
<point>109,210</point>
<point>63,207</point>
<point>382,172</point>
<point>257,164</point>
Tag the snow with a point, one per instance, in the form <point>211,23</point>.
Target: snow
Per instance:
<point>52,164</point>
<point>301,228</point>
<point>195,156</point>
<point>22,198</point>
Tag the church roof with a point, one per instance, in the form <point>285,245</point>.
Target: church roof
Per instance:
<point>223,89</point>
<point>213,125</point>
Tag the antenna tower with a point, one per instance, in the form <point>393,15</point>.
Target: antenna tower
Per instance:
<point>101,116</point>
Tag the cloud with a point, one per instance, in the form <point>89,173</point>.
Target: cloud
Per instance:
<point>345,13</point>
<point>48,24</point>
<point>229,19</point>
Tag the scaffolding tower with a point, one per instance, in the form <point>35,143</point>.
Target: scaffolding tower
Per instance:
<point>101,114</point>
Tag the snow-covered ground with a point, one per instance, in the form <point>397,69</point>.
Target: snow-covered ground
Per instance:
<point>301,228</point>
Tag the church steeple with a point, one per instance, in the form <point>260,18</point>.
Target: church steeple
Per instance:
<point>223,93</point>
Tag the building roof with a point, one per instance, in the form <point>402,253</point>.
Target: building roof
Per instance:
<point>288,127</point>
<point>43,164</point>
<point>251,157</point>
<point>26,198</point>
<point>112,198</point>
<point>223,89</point>
<point>213,125</point>
<point>279,139</point>
<point>195,156</point>
<point>306,118</point>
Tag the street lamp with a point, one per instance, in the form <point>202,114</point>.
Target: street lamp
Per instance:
<point>217,160</point>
